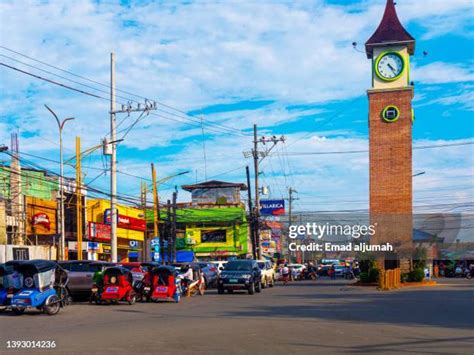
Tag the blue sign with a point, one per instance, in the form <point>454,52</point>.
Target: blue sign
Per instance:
<point>133,243</point>
<point>108,216</point>
<point>272,207</point>
<point>92,245</point>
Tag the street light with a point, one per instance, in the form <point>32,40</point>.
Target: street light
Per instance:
<point>61,187</point>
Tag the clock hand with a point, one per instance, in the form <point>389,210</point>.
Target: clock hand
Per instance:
<point>393,69</point>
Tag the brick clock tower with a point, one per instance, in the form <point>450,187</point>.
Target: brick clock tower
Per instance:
<point>390,138</point>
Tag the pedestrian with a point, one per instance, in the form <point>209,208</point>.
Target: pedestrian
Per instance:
<point>332,272</point>
<point>285,272</point>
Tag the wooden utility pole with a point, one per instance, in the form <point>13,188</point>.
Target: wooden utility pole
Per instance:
<point>146,246</point>
<point>79,220</point>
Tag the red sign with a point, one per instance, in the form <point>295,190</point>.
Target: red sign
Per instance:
<point>126,222</point>
<point>41,219</point>
<point>99,231</point>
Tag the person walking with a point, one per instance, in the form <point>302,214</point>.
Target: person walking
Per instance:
<point>332,272</point>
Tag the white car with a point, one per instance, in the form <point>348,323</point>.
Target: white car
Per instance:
<point>268,273</point>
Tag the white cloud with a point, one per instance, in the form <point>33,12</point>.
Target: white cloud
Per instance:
<point>443,73</point>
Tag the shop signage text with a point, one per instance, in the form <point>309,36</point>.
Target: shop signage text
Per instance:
<point>41,219</point>
<point>125,222</point>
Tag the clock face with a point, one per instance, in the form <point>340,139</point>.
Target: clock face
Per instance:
<point>389,66</point>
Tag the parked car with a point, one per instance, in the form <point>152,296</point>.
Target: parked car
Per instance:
<point>80,274</point>
<point>240,275</point>
<point>268,273</point>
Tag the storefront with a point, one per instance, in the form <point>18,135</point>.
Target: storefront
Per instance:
<point>214,233</point>
<point>131,228</point>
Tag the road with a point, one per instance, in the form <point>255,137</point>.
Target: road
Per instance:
<point>300,318</point>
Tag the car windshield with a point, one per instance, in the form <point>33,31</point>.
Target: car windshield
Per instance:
<point>238,266</point>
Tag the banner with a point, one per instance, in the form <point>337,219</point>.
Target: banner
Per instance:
<point>99,231</point>
<point>272,207</point>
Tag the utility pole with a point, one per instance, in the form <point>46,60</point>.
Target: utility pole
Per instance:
<point>62,244</point>
<point>168,230</point>
<point>146,246</point>
<point>113,163</point>
<point>113,140</point>
<point>173,227</point>
<point>156,210</point>
<point>290,211</point>
<point>258,156</point>
<point>78,198</point>
<point>251,215</point>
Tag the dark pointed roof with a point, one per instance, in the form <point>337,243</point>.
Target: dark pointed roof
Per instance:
<point>390,31</point>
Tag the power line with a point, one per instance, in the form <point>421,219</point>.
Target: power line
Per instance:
<point>222,128</point>
<point>366,151</point>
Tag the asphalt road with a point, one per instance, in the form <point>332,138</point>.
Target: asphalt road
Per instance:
<point>300,318</point>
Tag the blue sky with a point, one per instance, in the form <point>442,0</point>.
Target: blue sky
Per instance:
<point>287,66</point>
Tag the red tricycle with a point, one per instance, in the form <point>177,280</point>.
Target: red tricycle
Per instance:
<point>117,286</point>
<point>165,285</point>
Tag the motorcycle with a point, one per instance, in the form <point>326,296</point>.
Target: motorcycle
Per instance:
<point>197,286</point>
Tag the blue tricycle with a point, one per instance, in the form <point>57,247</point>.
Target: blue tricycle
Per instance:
<point>44,287</point>
<point>10,283</point>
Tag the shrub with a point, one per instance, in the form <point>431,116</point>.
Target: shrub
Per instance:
<point>417,275</point>
<point>405,277</point>
<point>373,274</point>
<point>364,277</point>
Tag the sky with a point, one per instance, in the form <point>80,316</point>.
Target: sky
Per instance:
<point>287,66</point>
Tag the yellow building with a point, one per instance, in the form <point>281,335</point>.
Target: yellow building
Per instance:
<point>131,227</point>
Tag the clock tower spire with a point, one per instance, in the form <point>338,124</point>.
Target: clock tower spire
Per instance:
<point>390,138</point>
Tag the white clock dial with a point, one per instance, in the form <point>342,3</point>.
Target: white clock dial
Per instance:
<point>390,66</point>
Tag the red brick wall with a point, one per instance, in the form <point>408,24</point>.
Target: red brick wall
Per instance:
<point>390,152</point>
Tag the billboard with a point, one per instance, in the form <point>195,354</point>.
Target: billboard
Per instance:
<point>272,207</point>
<point>126,222</point>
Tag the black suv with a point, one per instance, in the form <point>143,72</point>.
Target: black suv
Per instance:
<point>240,275</point>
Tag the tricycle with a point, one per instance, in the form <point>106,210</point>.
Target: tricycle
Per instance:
<point>117,286</point>
<point>43,287</point>
<point>164,284</point>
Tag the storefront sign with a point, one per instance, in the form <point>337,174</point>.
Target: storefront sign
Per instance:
<point>125,222</point>
<point>272,207</point>
<point>99,231</point>
<point>41,219</point>
<point>133,243</point>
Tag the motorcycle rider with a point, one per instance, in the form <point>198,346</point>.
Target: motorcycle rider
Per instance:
<point>187,275</point>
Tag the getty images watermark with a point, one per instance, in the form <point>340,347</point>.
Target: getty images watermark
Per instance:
<point>334,238</point>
